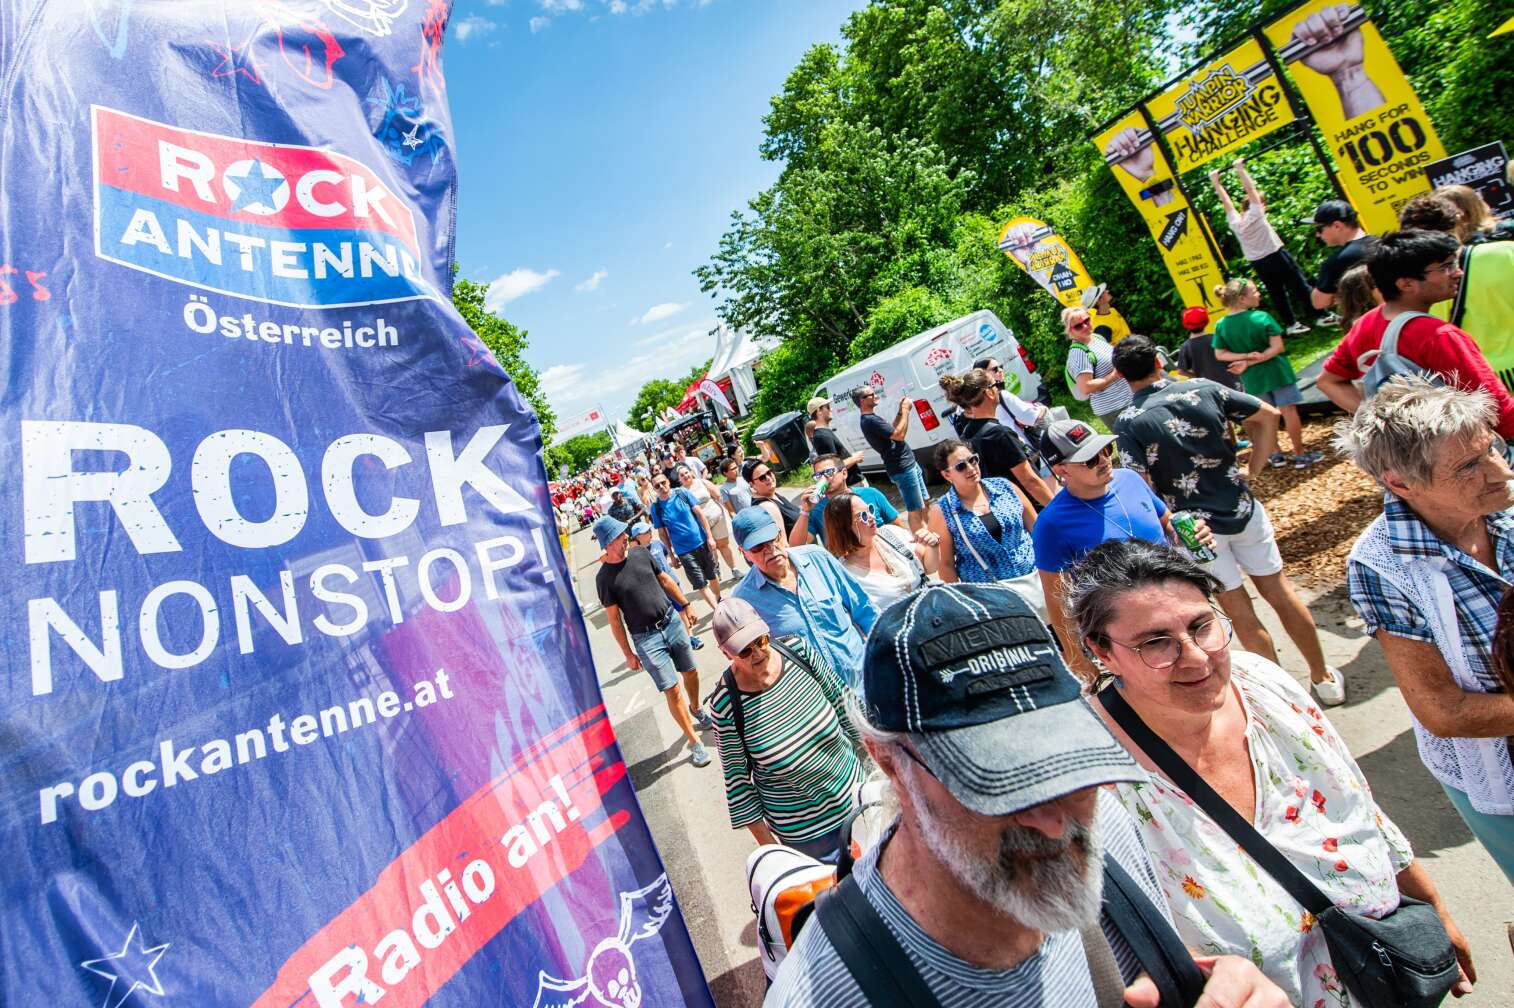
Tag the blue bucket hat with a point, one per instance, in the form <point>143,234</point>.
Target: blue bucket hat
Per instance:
<point>607,530</point>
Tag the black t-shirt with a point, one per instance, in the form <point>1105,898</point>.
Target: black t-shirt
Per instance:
<point>999,449</point>
<point>825,442</point>
<point>897,457</point>
<point>1196,356</point>
<point>787,509</point>
<point>1342,259</point>
<point>633,586</point>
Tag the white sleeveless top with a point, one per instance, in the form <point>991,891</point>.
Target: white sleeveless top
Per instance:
<point>903,576</point>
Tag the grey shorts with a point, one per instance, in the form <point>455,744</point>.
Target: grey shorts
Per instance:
<point>700,566</point>
<point>665,653</point>
<point>1283,395</point>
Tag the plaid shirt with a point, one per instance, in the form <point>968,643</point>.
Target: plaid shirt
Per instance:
<point>1475,589</point>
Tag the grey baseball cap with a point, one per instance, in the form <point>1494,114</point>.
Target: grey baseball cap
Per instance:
<point>1071,441</point>
<point>971,672</point>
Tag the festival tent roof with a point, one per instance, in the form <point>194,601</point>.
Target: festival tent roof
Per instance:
<point>623,436</point>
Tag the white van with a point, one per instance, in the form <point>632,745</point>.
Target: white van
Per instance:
<point>914,367</point>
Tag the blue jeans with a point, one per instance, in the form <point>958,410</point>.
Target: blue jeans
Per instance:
<point>1494,832</point>
<point>665,653</point>
<point>911,484</point>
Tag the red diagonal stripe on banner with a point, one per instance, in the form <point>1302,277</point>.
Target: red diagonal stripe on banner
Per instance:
<point>368,947</point>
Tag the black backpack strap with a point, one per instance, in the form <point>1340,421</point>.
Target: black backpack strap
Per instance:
<point>738,721</point>
<point>877,962</point>
<point>1156,945</point>
<point>1218,809</point>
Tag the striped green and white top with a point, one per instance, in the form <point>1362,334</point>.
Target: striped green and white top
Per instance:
<point>805,752</point>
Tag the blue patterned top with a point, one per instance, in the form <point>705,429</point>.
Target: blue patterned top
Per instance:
<point>1009,556</point>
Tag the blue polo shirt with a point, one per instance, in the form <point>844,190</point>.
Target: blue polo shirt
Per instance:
<point>883,511</point>
<point>676,514</point>
<point>829,609</point>
<point>1070,526</point>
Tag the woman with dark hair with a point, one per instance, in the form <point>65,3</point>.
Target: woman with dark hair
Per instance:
<point>1249,731</point>
<point>1000,449</point>
<point>885,559</point>
<point>984,527</point>
<point>1355,295</point>
<point>764,484</point>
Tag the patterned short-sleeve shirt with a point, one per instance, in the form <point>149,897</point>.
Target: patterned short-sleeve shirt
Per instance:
<point>1174,432</point>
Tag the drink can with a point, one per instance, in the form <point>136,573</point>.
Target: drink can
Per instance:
<point>1184,524</point>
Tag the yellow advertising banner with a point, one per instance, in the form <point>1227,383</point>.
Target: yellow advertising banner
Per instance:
<point>1370,117</point>
<point>1180,232</point>
<point>1221,106</point>
<point>1047,257</point>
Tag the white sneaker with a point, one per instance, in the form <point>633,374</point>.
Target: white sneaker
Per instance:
<point>1297,329</point>
<point>1331,692</point>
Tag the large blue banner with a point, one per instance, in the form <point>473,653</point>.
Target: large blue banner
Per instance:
<point>298,706</point>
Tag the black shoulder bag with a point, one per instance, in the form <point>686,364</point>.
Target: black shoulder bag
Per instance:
<point>1404,960</point>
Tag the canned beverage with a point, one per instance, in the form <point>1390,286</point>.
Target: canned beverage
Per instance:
<point>1185,525</point>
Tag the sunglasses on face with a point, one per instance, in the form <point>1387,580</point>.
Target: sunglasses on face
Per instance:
<point>1082,325</point>
<point>826,473</point>
<point>661,485</point>
<point>1103,454</point>
<point>756,647</point>
<point>756,478</point>
<point>971,462</point>
<point>865,517</point>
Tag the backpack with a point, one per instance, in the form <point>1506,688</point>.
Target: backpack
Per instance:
<point>784,883</point>
<point>1390,363</point>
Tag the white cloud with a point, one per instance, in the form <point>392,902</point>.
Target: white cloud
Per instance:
<point>658,312</point>
<point>514,284</point>
<point>564,382</point>
<point>538,23</point>
<point>591,282</point>
<point>566,385</point>
<point>560,6</point>
<point>471,26</point>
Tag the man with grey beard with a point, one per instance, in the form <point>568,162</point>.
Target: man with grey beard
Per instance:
<point>990,887</point>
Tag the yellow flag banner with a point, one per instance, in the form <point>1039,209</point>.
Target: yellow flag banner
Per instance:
<point>1180,232</point>
<point>1221,106</point>
<point>1047,257</point>
<point>1370,117</point>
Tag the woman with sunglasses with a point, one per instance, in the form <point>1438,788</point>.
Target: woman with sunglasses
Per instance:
<point>1090,368</point>
<point>1000,449</point>
<point>1249,730</point>
<point>764,483</point>
<point>984,527</point>
<point>886,560</point>
<point>789,754</point>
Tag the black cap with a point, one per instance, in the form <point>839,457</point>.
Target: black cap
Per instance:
<point>976,678</point>
<point>1331,211</point>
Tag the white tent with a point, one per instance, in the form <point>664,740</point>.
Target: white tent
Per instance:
<point>626,438</point>
<point>735,353</point>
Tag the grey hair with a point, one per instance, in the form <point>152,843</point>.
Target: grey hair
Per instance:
<point>888,797</point>
<point>1402,429</point>
<point>859,393</point>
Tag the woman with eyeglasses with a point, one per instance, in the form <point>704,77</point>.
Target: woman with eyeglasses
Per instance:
<point>1253,734</point>
<point>984,527</point>
<point>764,483</point>
<point>1090,368</point>
<point>886,560</point>
<point>790,756</point>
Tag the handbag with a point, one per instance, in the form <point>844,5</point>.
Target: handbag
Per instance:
<point>1403,960</point>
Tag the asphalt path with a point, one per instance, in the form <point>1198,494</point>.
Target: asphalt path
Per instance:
<point>685,805</point>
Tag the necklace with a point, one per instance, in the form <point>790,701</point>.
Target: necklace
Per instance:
<point>1128,528</point>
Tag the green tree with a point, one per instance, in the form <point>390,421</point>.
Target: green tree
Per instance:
<point>508,345</point>
<point>654,397</point>
<point>577,452</point>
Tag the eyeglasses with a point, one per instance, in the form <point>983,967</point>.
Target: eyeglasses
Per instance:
<point>914,758</point>
<point>767,549</point>
<point>826,473</point>
<point>1211,637</point>
<point>865,517</point>
<point>961,467</point>
<point>1082,325</point>
<point>1497,448</point>
<point>758,645</point>
<point>765,476</point>
<point>1450,267</point>
<point>995,369</point>
<point>660,484</point>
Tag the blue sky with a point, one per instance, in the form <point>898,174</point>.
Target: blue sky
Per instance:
<point>602,145</point>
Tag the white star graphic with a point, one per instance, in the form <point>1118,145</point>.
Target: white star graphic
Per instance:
<point>136,963</point>
<point>412,139</point>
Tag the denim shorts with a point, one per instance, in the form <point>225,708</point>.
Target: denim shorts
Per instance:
<point>665,653</point>
<point>911,485</point>
<point>1283,395</point>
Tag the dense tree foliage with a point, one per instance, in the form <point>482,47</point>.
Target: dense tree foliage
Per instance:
<point>661,393</point>
<point>937,120</point>
<point>577,452</point>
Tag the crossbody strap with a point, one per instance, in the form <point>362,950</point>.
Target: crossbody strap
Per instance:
<point>1108,985</point>
<point>957,514</point>
<point>1151,938</point>
<point>1389,344</point>
<point>869,950</point>
<point>1218,809</point>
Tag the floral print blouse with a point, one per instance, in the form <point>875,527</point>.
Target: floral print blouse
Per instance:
<point>1313,805</point>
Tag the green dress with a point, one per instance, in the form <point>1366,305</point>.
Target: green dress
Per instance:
<point>1252,332</point>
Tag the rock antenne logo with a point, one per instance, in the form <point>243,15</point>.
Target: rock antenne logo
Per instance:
<point>1211,96</point>
<point>610,975</point>
<point>270,222</point>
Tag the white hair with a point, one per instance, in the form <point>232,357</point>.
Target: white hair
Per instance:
<point>1404,427</point>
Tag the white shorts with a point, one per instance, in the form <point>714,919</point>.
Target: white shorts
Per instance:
<point>1253,549</point>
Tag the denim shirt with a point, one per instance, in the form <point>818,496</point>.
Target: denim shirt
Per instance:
<point>830,610</point>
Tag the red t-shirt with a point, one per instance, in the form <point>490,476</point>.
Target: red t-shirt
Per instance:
<point>1434,345</point>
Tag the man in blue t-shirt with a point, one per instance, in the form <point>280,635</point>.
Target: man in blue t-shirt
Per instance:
<point>1097,503</point>
<point>682,526</point>
<point>812,504</point>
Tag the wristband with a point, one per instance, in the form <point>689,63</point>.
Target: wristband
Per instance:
<point>677,607</point>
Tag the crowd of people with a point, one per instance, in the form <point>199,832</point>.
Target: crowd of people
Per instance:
<point>1057,666</point>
